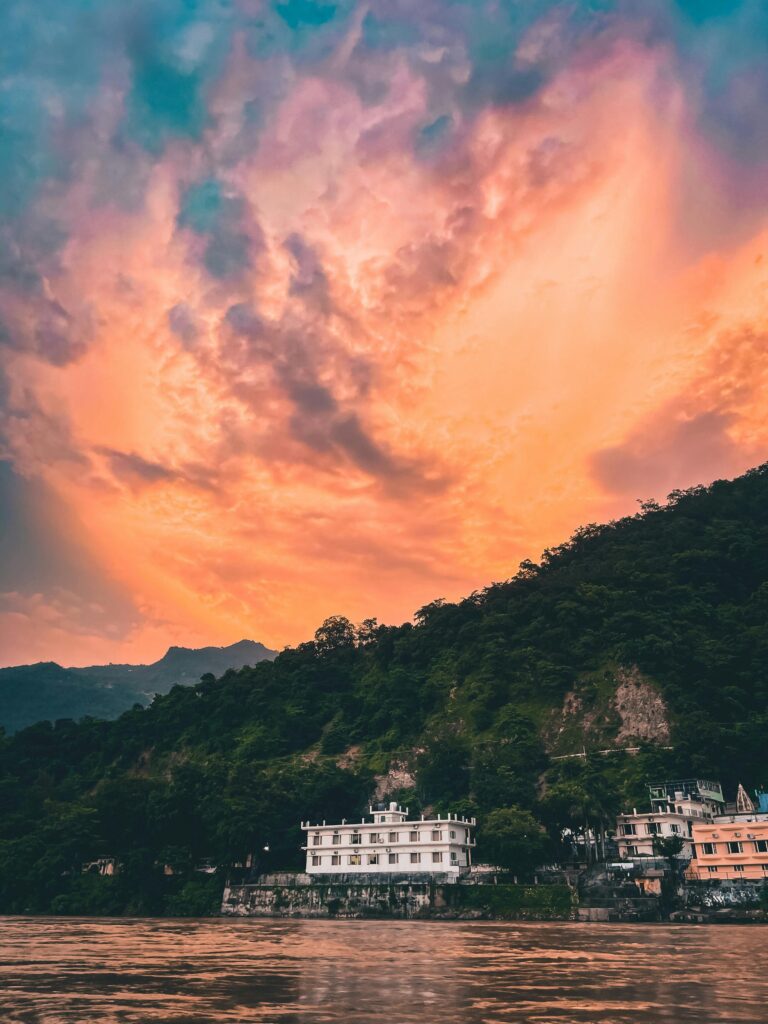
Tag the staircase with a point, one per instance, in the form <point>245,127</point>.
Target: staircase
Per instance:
<point>603,897</point>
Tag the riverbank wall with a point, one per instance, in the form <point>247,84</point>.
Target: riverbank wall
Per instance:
<point>405,899</point>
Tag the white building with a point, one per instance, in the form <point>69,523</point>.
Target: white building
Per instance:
<point>676,806</point>
<point>390,844</point>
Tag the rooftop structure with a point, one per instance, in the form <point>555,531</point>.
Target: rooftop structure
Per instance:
<point>698,793</point>
<point>744,803</point>
<point>390,843</point>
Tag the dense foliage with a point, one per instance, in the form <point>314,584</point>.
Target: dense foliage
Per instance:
<point>465,695</point>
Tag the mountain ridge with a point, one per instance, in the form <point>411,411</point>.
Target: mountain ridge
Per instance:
<point>47,691</point>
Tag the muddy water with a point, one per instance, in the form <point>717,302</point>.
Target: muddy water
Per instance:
<point>76,971</point>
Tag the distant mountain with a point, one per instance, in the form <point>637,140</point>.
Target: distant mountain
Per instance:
<point>33,693</point>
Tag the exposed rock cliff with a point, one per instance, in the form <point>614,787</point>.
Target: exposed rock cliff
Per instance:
<point>643,711</point>
<point>398,776</point>
<point>617,708</point>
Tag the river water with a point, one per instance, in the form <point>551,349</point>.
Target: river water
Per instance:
<point>91,971</point>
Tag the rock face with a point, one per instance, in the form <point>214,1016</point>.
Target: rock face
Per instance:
<point>617,708</point>
<point>398,776</point>
<point>643,711</point>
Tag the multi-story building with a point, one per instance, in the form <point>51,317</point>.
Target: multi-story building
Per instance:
<point>732,847</point>
<point>390,843</point>
<point>675,807</point>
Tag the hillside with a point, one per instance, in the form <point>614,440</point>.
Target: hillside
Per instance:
<point>650,632</point>
<point>32,693</point>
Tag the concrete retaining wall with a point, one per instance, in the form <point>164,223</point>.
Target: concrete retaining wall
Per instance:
<point>336,899</point>
<point>397,898</point>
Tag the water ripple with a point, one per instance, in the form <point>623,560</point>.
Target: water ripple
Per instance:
<point>131,971</point>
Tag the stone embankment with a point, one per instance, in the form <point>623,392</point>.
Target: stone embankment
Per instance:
<point>599,894</point>
<point>723,902</point>
<point>399,898</point>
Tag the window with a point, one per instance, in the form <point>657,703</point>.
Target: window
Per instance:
<point>628,830</point>
<point>336,859</point>
<point>708,849</point>
<point>738,867</point>
<point>734,846</point>
<point>674,829</point>
<point>761,846</point>
<point>453,834</point>
<point>394,837</point>
<point>632,851</point>
<point>651,829</point>
<point>454,857</point>
<point>336,839</point>
<point>316,861</point>
<point>394,858</point>
<point>373,858</point>
<point>712,870</point>
<point>375,837</point>
<point>356,839</point>
<point>413,836</point>
<point>354,858</point>
<point>317,840</point>
<point>436,835</point>
<point>436,856</point>
<point>415,858</point>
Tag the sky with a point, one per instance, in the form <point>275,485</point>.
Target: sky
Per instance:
<point>313,307</point>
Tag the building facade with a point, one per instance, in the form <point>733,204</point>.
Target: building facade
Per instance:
<point>732,847</point>
<point>675,808</point>
<point>390,843</point>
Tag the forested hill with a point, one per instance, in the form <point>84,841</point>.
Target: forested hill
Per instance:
<point>649,632</point>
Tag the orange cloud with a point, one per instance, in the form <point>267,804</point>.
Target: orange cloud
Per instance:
<point>428,365</point>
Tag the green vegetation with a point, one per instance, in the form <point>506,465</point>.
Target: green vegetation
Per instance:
<point>537,902</point>
<point>676,594</point>
<point>512,838</point>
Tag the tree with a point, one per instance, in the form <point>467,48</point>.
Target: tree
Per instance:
<point>512,838</point>
<point>670,848</point>
<point>583,797</point>
<point>367,632</point>
<point>442,767</point>
<point>335,633</point>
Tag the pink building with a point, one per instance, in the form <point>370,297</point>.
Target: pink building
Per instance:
<point>731,846</point>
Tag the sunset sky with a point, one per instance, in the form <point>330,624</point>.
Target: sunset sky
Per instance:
<point>313,308</point>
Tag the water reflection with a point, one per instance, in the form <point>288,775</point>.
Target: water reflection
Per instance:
<point>69,971</point>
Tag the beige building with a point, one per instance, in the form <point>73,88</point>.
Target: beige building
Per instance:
<point>675,808</point>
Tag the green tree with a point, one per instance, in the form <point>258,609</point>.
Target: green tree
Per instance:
<point>512,838</point>
<point>336,633</point>
<point>442,767</point>
<point>670,848</point>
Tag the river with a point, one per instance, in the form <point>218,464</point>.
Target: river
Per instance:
<point>133,971</point>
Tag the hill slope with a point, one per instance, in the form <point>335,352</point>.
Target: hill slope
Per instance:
<point>650,633</point>
<point>32,693</point>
